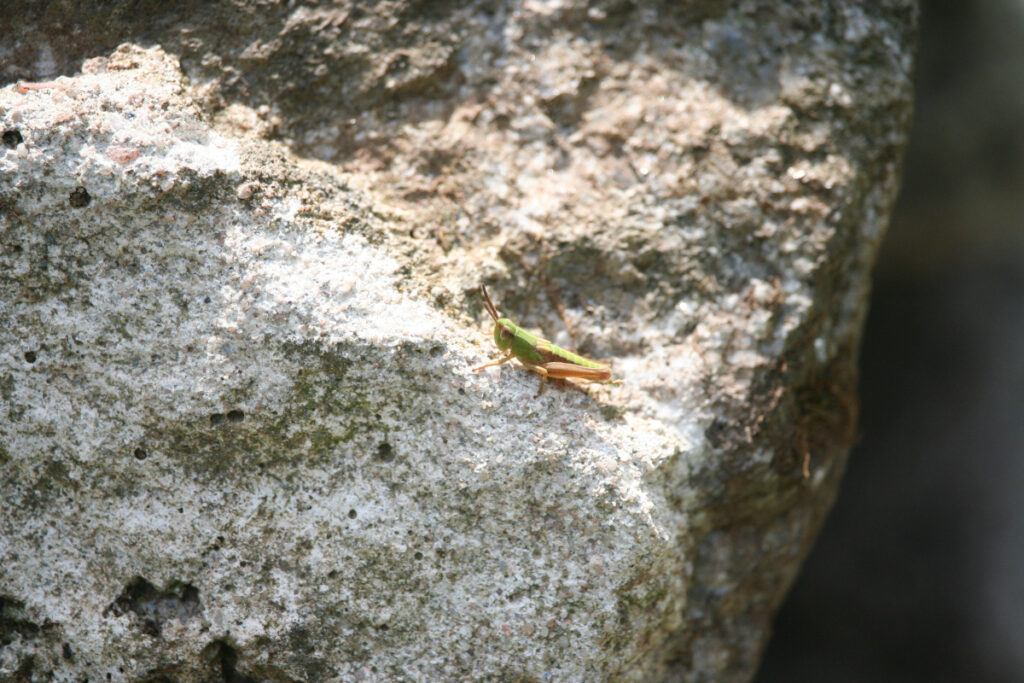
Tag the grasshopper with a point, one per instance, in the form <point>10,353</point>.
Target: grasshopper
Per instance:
<point>539,355</point>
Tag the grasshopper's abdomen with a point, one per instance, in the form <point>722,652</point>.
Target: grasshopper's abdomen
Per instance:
<point>557,353</point>
<point>549,353</point>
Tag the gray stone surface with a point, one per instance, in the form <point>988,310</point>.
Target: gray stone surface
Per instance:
<point>240,435</point>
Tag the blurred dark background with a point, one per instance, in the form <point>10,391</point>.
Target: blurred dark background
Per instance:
<point>919,572</point>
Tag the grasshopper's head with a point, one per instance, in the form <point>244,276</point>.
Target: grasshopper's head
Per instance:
<point>504,329</point>
<point>503,333</point>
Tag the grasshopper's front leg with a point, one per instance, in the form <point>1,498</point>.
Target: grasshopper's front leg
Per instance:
<point>507,358</point>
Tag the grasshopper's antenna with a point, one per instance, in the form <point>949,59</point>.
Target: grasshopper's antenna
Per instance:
<point>490,304</point>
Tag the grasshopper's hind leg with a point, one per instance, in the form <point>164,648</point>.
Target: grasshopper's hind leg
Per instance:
<point>559,370</point>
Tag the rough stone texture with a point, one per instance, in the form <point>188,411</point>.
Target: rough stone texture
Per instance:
<point>922,555</point>
<point>240,435</point>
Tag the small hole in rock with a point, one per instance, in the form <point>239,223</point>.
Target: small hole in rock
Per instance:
<point>79,198</point>
<point>351,514</point>
<point>140,454</point>
<point>217,418</point>
<point>30,356</point>
<point>12,138</point>
<point>385,452</point>
<point>418,555</point>
<point>235,415</point>
<point>150,628</point>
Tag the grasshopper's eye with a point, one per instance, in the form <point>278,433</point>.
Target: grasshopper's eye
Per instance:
<point>505,333</point>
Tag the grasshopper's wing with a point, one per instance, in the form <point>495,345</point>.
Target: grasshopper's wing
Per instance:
<point>546,351</point>
<point>562,361</point>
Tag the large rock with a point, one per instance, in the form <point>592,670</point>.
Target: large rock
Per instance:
<point>240,435</point>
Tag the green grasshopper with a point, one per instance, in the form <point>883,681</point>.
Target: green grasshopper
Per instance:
<point>539,355</point>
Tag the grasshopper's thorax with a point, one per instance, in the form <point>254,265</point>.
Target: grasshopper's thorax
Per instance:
<point>504,333</point>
